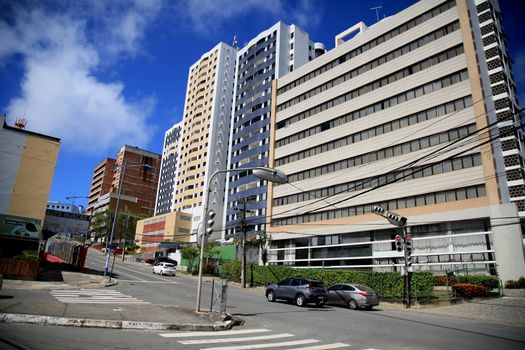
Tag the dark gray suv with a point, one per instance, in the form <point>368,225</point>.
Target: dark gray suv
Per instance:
<point>299,290</point>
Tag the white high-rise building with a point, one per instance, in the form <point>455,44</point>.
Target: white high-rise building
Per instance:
<point>270,55</point>
<point>168,170</point>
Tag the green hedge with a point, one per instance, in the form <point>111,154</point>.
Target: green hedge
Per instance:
<point>490,282</point>
<point>386,284</point>
<point>512,284</point>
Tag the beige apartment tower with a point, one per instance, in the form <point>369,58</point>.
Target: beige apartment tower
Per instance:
<point>203,144</point>
<point>416,114</point>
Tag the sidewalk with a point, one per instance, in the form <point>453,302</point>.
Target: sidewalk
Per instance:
<point>125,316</point>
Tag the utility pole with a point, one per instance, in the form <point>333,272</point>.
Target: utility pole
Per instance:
<point>403,243</point>
<point>243,244</point>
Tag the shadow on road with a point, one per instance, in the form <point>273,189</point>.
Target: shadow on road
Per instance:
<point>447,327</point>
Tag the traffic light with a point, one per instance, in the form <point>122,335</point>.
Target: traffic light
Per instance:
<point>399,243</point>
<point>210,222</point>
<point>408,247</point>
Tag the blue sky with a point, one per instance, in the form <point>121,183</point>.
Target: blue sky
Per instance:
<point>100,74</point>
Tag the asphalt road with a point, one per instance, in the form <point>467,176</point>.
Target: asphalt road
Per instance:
<point>268,324</point>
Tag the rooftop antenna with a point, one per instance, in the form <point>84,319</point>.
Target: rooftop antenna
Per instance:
<point>235,42</point>
<point>377,11</point>
<point>20,123</point>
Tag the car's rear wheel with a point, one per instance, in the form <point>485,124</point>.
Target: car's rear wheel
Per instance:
<point>352,304</point>
<point>300,300</point>
<point>270,296</point>
<point>319,303</point>
<point>161,273</point>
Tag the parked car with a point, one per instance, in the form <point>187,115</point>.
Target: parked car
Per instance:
<point>354,296</point>
<point>299,290</point>
<point>164,268</point>
<point>165,259</point>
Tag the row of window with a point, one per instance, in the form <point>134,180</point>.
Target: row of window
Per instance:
<point>431,113</point>
<point>388,152</point>
<point>452,27</point>
<point>389,79</point>
<point>458,194</point>
<point>445,166</point>
<point>371,44</point>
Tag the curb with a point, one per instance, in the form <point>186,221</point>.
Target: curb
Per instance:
<point>112,324</point>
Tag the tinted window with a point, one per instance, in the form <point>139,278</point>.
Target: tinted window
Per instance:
<point>348,288</point>
<point>169,265</point>
<point>285,282</point>
<point>364,288</point>
<point>316,284</point>
<point>296,282</point>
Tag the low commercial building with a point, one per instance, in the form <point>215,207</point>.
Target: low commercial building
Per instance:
<point>172,227</point>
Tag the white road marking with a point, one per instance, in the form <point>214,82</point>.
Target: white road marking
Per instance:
<point>325,347</point>
<point>266,345</point>
<point>227,340</point>
<point>213,333</point>
<point>94,296</point>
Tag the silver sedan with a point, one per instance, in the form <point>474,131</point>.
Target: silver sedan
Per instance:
<point>354,296</point>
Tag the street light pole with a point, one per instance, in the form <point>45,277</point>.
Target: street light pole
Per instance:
<point>268,174</point>
<point>115,215</point>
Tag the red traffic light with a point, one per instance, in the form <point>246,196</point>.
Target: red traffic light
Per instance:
<point>398,237</point>
<point>408,238</point>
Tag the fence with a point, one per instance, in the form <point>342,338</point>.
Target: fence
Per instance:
<point>19,268</point>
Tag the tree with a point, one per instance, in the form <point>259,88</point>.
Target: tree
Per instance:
<point>101,224</point>
<point>189,253</point>
<point>263,241</point>
<point>210,249</point>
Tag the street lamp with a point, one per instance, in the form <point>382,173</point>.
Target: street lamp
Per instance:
<point>115,215</point>
<point>405,240</point>
<point>263,173</point>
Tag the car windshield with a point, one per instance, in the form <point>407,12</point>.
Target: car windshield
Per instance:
<point>364,288</point>
<point>169,265</point>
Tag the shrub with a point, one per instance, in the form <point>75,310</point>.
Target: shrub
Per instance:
<point>469,290</point>
<point>490,282</point>
<point>386,284</point>
<point>31,255</point>
<point>515,284</point>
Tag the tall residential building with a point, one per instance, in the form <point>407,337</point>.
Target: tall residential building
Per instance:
<point>168,170</point>
<point>204,137</point>
<point>139,181</point>
<point>100,182</point>
<point>416,114</point>
<point>272,54</point>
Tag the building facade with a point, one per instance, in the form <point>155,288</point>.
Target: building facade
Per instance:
<point>270,55</point>
<point>28,161</point>
<point>170,227</point>
<point>140,169</point>
<point>418,115</point>
<point>100,182</point>
<point>168,169</point>
<point>204,136</point>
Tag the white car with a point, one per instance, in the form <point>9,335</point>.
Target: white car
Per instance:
<point>164,268</point>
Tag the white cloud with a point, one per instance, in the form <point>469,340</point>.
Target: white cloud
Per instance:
<point>60,94</point>
<point>208,16</point>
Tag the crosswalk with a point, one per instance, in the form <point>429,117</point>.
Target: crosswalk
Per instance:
<point>94,296</point>
<point>260,338</point>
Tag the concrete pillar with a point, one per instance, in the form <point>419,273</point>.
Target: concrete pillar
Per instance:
<point>508,241</point>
